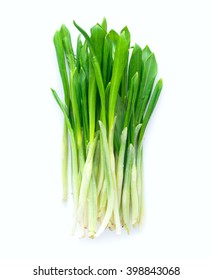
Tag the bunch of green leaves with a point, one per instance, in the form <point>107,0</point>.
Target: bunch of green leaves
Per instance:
<point>110,92</point>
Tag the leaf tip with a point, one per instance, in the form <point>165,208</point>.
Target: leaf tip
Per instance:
<point>160,83</point>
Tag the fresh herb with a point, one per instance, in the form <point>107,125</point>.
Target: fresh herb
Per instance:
<point>109,96</point>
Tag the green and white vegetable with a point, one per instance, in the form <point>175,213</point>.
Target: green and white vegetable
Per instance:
<point>109,96</point>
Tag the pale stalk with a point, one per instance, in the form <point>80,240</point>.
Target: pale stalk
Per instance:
<point>134,195</point>
<point>140,180</point>
<point>116,218</point>
<point>142,187</point>
<point>75,179</point>
<point>120,164</point>
<point>100,180</point>
<point>126,188</point>
<point>92,208</point>
<point>103,200</point>
<point>65,152</point>
<point>109,180</point>
<point>86,176</point>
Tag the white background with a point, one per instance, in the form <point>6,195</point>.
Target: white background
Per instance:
<point>178,158</point>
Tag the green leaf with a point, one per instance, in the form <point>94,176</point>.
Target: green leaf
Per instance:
<point>146,53</point>
<point>150,108</point>
<point>121,58</point>
<point>63,109</point>
<point>110,43</point>
<point>97,37</point>
<point>97,71</point>
<point>84,59</point>
<point>61,64</point>
<point>75,100</point>
<point>148,78</point>
<point>120,115</point>
<point>84,104</point>
<point>104,24</point>
<point>67,43</point>
<point>131,99</point>
<point>135,64</point>
<point>86,36</point>
<point>92,97</point>
<point>78,52</point>
<point>113,38</point>
<point>106,67</point>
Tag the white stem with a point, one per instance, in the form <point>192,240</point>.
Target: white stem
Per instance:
<point>86,176</point>
<point>75,179</point>
<point>65,152</point>
<point>108,176</point>
<point>101,173</point>
<point>92,208</point>
<point>140,180</point>
<point>120,164</point>
<point>134,195</point>
<point>126,187</point>
<point>112,161</point>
